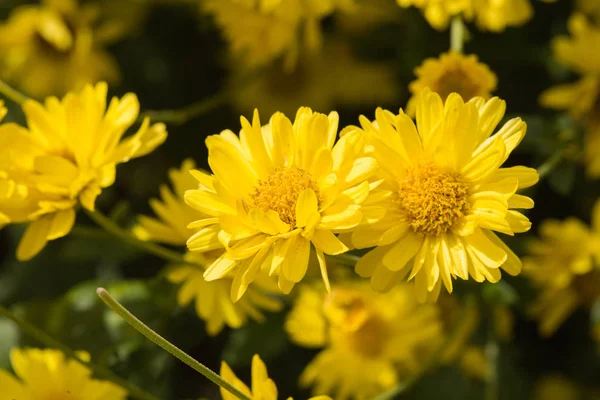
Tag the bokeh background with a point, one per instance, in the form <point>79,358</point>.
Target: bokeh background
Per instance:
<point>176,56</point>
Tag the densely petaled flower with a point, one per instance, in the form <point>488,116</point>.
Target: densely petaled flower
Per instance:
<point>561,265</point>
<point>211,299</point>
<point>48,374</point>
<point>443,195</point>
<point>492,15</point>
<point>66,156</point>
<point>263,387</point>
<point>452,72</point>
<point>276,190</point>
<point>263,30</point>
<point>55,47</point>
<point>371,340</point>
<point>332,77</point>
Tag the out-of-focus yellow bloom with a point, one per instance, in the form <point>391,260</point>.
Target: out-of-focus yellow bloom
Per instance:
<point>492,15</point>
<point>263,387</point>
<point>277,191</point>
<point>333,77</point>
<point>561,266</point>
<point>589,7</point>
<point>443,195</point>
<point>66,156</point>
<point>556,387</point>
<point>260,31</point>
<point>452,72</point>
<point>55,47</point>
<point>48,374</point>
<point>211,299</point>
<point>474,363</point>
<point>371,340</point>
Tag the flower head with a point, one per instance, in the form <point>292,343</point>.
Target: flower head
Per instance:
<point>443,195</point>
<point>262,386</point>
<point>211,299</point>
<point>48,374</point>
<point>561,265</point>
<point>452,72</point>
<point>55,47</point>
<point>277,191</point>
<point>66,156</point>
<point>372,335</point>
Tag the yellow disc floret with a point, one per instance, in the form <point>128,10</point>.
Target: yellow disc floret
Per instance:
<point>433,198</point>
<point>280,190</point>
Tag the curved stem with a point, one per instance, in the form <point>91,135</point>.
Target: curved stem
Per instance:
<point>492,349</point>
<point>457,34</point>
<point>12,94</point>
<point>431,361</point>
<point>109,226</point>
<point>166,345</point>
<point>48,341</point>
<point>552,162</point>
<point>182,115</point>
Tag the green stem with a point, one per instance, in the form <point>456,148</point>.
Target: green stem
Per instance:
<point>182,115</point>
<point>49,342</point>
<point>109,226</point>
<point>552,162</point>
<point>166,345</point>
<point>457,34</point>
<point>431,361</point>
<point>492,350</point>
<point>12,94</point>
<point>346,259</point>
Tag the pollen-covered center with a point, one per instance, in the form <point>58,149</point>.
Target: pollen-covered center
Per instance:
<point>432,198</point>
<point>280,191</point>
<point>457,80</point>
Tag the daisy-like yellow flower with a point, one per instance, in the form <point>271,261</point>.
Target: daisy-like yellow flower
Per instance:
<point>276,191</point>
<point>211,300</point>
<point>332,77</point>
<point>55,47</point>
<point>48,374</point>
<point>443,196</point>
<point>66,156</point>
<point>260,31</point>
<point>439,12</point>
<point>371,340</point>
<point>452,72</point>
<point>561,265</point>
<point>262,388</point>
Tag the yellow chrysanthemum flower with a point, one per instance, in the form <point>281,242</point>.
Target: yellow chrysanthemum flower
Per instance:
<point>452,72</point>
<point>322,80</point>
<point>492,15</point>
<point>556,387</point>
<point>263,387</point>
<point>277,191</point>
<point>260,31</point>
<point>66,156</point>
<point>371,340</point>
<point>55,47</point>
<point>561,266</point>
<point>443,195</point>
<point>211,299</point>
<point>48,374</point>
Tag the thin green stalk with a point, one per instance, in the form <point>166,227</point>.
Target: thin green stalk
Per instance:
<point>552,162</point>
<point>430,362</point>
<point>12,94</point>
<point>346,259</point>
<point>109,226</point>
<point>166,345</point>
<point>182,115</point>
<point>457,34</point>
<point>48,341</point>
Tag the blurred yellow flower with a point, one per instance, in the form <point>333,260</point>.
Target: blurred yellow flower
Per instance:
<point>589,7</point>
<point>263,387</point>
<point>452,72</point>
<point>277,191</point>
<point>48,374</point>
<point>55,47</point>
<point>371,340</point>
<point>556,387</point>
<point>561,265</point>
<point>443,195</point>
<point>260,31</point>
<point>333,77</point>
<point>66,156</point>
<point>211,299</point>
<point>492,15</point>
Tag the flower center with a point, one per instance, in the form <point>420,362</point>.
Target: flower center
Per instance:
<point>280,191</point>
<point>432,198</point>
<point>456,80</point>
